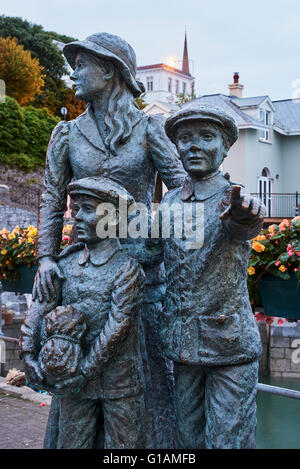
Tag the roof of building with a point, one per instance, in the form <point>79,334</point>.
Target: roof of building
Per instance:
<point>163,66</point>
<point>287,116</point>
<point>242,119</point>
<point>248,102</point>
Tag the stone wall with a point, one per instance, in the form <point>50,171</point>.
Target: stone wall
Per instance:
<point>284,361</point>
<point>13,216</point>
<point>15,176</point>
<point>11,353</point>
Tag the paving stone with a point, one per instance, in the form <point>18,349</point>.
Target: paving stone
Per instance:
<point>23,423</point>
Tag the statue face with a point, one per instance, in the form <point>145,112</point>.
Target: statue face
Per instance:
<point>90,78</point>
<point>86,219</point>
<point>200,146</point>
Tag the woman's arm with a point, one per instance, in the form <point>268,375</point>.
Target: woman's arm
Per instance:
<point>58,174</point>
<point>164,153</point>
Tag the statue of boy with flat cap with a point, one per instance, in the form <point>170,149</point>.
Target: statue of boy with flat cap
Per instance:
<point>83,344</point>
<point>208,328</point>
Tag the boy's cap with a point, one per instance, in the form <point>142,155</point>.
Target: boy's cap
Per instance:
<point>205,112</point>
<point>102,188</point>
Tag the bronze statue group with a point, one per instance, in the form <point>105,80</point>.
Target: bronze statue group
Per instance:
<point>143,343</point>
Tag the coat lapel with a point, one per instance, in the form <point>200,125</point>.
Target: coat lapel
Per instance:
<point>87,126</point>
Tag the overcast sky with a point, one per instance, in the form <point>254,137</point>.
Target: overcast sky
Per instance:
<point>260,39</point>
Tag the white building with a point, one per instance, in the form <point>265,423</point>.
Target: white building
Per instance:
<point>163,83</point>
<point>266,156</point>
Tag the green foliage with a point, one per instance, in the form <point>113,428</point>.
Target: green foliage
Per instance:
<point>38,42</point>
<point>24,134</point>
<point>12,127</point>
<point>140,101</point>
<point>39,124</point>
<point>275,251</point>
<point>182,98</point>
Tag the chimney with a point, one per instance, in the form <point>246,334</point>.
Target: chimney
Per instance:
<point>236,89</point>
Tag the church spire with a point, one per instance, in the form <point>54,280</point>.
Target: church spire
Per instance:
<point>185,61</point>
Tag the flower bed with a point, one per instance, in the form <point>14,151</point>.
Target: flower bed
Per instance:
<point>275,251</point>
<point>17,248</point>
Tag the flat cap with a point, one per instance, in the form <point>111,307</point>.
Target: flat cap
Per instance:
<point>194,111</point>
<point>101,188</point>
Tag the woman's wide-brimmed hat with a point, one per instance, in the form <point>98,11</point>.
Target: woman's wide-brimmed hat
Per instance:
<point>108,47</point>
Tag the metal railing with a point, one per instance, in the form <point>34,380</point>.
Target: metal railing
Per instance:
<point>280,205</point>
<point>28,197</point>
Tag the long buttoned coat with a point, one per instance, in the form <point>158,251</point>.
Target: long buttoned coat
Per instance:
<point>76,150</point>
<point>208,319</point>
<point>106,286</point>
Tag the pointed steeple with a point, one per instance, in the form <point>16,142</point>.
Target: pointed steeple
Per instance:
<point>185,60</point>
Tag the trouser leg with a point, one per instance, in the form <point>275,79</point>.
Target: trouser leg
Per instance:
<point>230,406</point>
<point>50,441</point>
<point>124,423</point>
<point>189,401</point>
<point>78,421</point>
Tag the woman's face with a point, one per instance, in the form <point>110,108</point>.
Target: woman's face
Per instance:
<point>90,78</point>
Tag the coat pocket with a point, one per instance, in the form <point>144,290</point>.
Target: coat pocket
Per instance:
<point>219,335</point>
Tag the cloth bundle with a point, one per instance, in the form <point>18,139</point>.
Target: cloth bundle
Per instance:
<point>61,334</point>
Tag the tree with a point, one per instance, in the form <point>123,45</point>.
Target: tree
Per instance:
<point>12,127</point>
<point>140,101</point>
<point>24,134</point>
<point>22,74</point>
<point>182,98</point>
<point>38,42</point>
<point>39,124</point>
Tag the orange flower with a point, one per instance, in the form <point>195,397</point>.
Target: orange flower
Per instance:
<point>258,247</point>
<point>282,268</point>
<point>260,238</point>
<point>251,271</point>
<point>272,228</point>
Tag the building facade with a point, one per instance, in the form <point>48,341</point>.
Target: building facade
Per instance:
<point>164,82</point>
<point>266,156</point>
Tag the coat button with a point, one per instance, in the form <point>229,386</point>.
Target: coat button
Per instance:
<point>193,198</point>
<point>183,319</point>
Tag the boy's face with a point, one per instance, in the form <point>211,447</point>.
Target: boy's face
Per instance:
<point>200,146</point>
<point>86,218</point>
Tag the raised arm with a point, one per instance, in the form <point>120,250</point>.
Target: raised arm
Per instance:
<point>244,216</point>
<point>164,153</point>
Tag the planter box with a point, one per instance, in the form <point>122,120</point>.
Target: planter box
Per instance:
<point>25,282</point>
<point>280,298</point>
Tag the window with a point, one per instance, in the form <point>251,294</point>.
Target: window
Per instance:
<point>265,118</point>
<point>149,83</point>
<point>183,88</point>
<point>177,87</point>
<point>169,85</point>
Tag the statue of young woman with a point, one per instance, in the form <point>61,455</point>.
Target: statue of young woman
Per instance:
<point>112,138</point>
